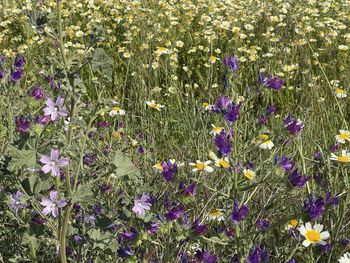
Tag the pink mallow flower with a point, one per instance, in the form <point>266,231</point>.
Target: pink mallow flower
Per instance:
<point>141,205</point>
<point>52,163</point>
<point>52,204</point>
<point>54,109</point>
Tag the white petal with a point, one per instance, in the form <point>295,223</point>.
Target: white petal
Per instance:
<point>318,228</point>
<point>302,230</point>
<point>306,243</point>
<point>308,226</point>
<point>325,235</point>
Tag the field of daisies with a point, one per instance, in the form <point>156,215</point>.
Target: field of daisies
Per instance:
<point>170,131</point>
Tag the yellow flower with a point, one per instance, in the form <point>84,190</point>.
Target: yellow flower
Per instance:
<point>216,215</point>
<point>212,59</point>
<point>158,167</point>
<point>264,142</point>
<point>154,105</point>
<point>161,50</point>
<point>249,174</point>
<point>343,136</point>
<point>340,93</point>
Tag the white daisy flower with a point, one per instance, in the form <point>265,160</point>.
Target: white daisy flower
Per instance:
<point>313,235</point>
<point>154,105</point>
<point>344,158</point>
<point>216,130</point>
<point>202,166</point>
<point>249,174</point>
<point>345,258</point>
<point>116,111</point>
<point>343,136</point>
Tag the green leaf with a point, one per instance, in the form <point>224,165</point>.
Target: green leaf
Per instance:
<point>102,62</point>
<point>125,166</point>
<point>22,159</point>
<point>31,241</point>
<point>83,195</point>
<point>102,240</point>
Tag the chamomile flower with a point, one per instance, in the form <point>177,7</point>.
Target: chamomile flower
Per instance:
<point>116,111</point>
<point>340,93</point>
<point>202,166</point>
<point>249,174</point>
<point>154,105</point>
<point>264,142</point>
<point>158,168</point>
<point>161,50</point>
<point>223,163</point>
<point>313,235</point>
<point>345,258</point>
<point>344,158</point>
<point>216,215</point>
<point>293,223</point>
<point>343,136</point>
<point>216,130</point>
<point>207,106</point>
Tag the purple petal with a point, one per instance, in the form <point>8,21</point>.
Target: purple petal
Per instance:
<point>53,196</point>
<point>59,101</point>
<point>61,203</point>
<point>55,212</point>
<point>49,102</point>
<point>45,159</point>
<point>63,112</point>
<point>54,115</point>
<point>46,168</point>
<point>48,111</point>
<point>45,202</point>
<point>63,162</point>
<point>56,170</point>
<point>54,154</point>
<point>47,210</point>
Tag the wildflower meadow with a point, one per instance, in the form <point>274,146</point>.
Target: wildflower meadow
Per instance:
<point>170,131</point>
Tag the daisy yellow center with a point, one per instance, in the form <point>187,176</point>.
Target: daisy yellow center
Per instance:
<point>159,166</point>
<point>162,49</point>
<point>343,159</point>
<point>217,129</point>
<point>339,91</point>
<point>343,136</point>
<point>267,142</point>
<point>313,236</point>
<point>200,166</point>
<point>215,212</point>
<point>116,108</point>
<point>249,175</point>
<point>263,137</point>
<point>293,223</point>
<point>224,164</point>
<point>154,105</point>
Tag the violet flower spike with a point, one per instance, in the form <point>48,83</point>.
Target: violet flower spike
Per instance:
<point>52,204</point>
<point>52,163</point>
<point>54,109</point>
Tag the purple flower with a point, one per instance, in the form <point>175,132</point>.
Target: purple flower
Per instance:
<point>231,62</point>
<point>263,120</point>
<point>293,126</point>
<point>344,242</point>
<point>52,163</point>
<point>286,163</point>
<point>140,149</point>
<point>16,76</point>
<point>54,109</point>
<point>97,209</point>
<point>198,229</point>
<point>206,257</point>
<point>169,170</point>
<point>141,205</point>
<point>296,179</point>
<point>22,125</point>
<point>89,159</point>
<point>271,109</point>
<point>175,213</point>
<point>324,248</point>
<point>16,202</point>
<point>291,261</point>
<point>37,219</point>
<point>52,205</point>
<point>232,113</point>
<point>105,188</point>
<point>263,224</point>
<point>89,219</point>
<point>222,142</point>
<point>77,238</point>
<point>222,104</point>
<point>317,156</point>
<point>153,228</point>
<point>42,120</point>
<point>125,252</point>
<point>332,200</point>
<point>239,212</point>
<point>257,255</point>
<point>37,93</point>
<point>131,235</point>
<point>2,74</point>
<point>334,148</point>
<point>314,208</point>
<point>19,62</point>
<point>190,190</point>
<point>275,83</point>
<point>261,79</point>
